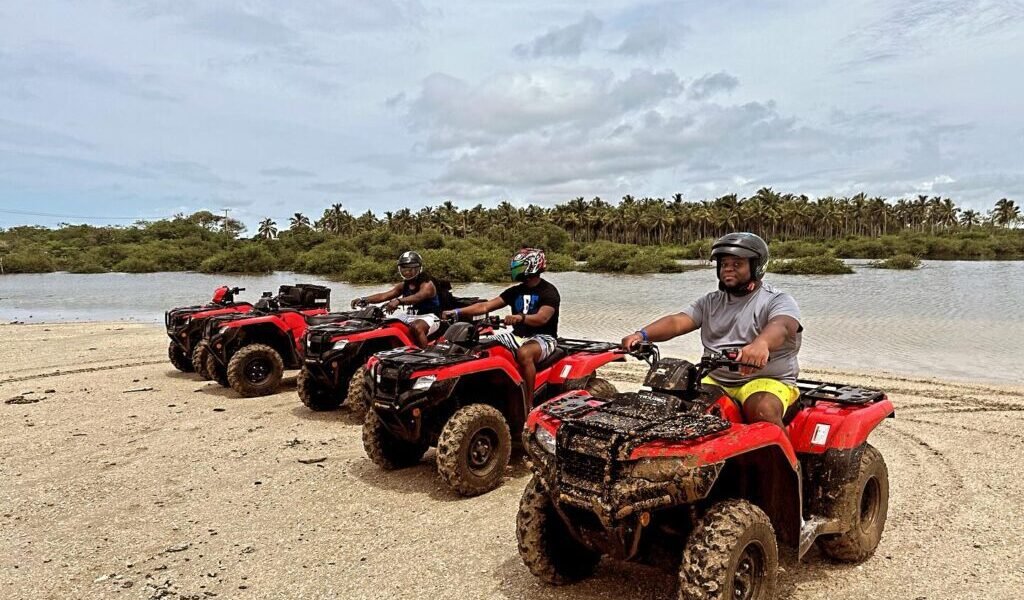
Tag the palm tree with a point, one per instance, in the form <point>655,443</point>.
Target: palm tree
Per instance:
<point>969,218</point>
<point>298,221</point>
<point>267,229</point>
<point>1005,213</point>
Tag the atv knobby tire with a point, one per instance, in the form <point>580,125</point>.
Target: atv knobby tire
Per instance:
<point>255,370</point>
<point>315,395</point>
<point>215,370</point>
<point>600,388</point>
<point>179,359</point>
<point>199,354</point>
<point>731,553</point>
<point>547,548</point>
<point>358,399</point>
<point>473,450</point>
<point>864,504</point>
<point>386,450</point>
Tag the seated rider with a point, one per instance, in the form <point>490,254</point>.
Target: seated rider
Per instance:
<point>534,318</point>
<point>417,290</point>
<point>743,313</point>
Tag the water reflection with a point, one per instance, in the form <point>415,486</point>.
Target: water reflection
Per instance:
<point>947,319</point>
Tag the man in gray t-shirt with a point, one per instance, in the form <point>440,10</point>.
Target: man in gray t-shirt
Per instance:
<point>743,313</point>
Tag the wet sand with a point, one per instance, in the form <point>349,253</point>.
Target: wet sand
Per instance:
<point>183,490</point>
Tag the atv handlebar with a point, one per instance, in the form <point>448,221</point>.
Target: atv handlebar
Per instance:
<point>645,351</point>
<point>725,359</point>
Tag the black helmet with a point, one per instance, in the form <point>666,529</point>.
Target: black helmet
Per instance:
<point>462,334</point>
<point>744,245</point>
<point>410,259</point>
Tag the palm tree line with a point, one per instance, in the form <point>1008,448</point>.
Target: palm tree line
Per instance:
<point>676,221</point>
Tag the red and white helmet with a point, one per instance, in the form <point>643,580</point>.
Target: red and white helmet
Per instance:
<point>527,262</point>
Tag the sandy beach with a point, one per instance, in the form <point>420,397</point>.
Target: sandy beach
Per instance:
<point>123,478</point>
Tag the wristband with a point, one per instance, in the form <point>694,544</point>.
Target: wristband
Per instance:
<point>456,314</point>
<point>643,334</point>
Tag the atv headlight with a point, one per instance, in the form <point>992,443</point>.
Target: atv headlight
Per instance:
<point>339,345</point>
<point>424,383</point>
<point>546,439</point>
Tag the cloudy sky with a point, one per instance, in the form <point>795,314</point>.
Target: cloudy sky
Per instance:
<point>145,108</point>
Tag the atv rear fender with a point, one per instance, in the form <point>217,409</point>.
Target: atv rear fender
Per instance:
<point>829,425</point>
<point>265,330</point>
<point>581,365</point>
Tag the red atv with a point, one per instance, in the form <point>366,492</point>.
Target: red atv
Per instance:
<point>465,395</point>
<point>336,355</point>
<point>185,324</point>
<point>673,476</point>
<point>249,352</point>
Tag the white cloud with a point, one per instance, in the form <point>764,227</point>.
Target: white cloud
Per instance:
<point>563,42</point>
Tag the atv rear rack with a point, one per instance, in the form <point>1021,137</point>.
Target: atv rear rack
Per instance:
<point>572,346</point>
<point>815,391</point>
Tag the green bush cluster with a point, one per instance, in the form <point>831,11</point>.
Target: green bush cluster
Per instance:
<point>809,265</point>
<point>368,251</point>
<point>900,261</point>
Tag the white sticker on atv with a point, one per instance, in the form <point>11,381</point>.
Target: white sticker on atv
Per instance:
<point>820,434</point>
<point>565,371</point>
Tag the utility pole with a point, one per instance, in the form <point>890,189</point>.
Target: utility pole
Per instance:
<point>224,223</point>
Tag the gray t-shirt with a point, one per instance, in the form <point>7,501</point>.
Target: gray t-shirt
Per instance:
<point>734,321</point>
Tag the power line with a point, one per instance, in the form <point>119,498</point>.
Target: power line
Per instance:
<point>42,214</point>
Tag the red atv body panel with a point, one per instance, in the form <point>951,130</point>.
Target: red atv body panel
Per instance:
<point>396,329</point>
<point>288,323</point>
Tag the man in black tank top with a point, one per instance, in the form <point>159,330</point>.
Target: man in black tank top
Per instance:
<point>418,292</point>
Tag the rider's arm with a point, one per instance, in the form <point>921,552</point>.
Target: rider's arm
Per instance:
<point>542,316</point>
<point>480,308</point>
<point>669,326</point>
<point>426,291</point>
<point>388,295</point>
<point>777,331</point>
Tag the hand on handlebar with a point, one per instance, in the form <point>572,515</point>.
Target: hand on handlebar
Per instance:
<point>630,341</point>
<point>753,356</point>
<point>358,303</point>
<point>514,319</point>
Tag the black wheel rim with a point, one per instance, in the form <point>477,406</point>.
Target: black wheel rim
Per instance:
<point>258,370</point>
<point>748,578</point>
<point>869,501</point>
<point>483,450</point>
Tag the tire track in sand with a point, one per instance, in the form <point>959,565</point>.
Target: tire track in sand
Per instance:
<point>59,372</point>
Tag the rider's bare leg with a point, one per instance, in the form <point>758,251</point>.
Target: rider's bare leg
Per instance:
<point>763,406</point>
<point>528,356</point>
<point>418,330</point>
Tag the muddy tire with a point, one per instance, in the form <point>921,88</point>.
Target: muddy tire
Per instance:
<point>199,354</point>
<point>547,548</point>
<point>600,388</point>
<point>315,395</point>
<point>386,450</point>
<point>255,370</point>
<point>731,553</point>
<point>864,503</point>
<point>216,371</point>
<point>474,448</point>
<point>358,399</point>
<point>178,358</point>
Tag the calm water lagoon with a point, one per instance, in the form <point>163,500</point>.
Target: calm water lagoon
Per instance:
<point>949,319</point>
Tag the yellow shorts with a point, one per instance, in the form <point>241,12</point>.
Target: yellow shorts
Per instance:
<point>783,391</point>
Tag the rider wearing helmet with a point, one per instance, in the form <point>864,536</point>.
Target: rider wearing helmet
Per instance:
<point>743,313</point>
<point>418,292</point>
<point>534,319</point>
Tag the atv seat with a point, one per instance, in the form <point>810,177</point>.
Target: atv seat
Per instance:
<point>323,319</point>
<point>550,361</point>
